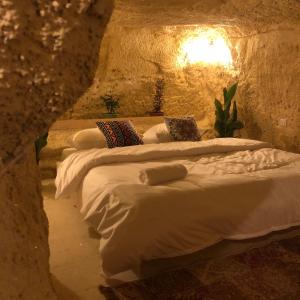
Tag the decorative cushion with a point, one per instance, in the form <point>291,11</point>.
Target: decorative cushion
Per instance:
<point>183,129</point>
<point>87,139</point>
<point>119,133</point>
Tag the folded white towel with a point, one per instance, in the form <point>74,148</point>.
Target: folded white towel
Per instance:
<point>161,174</point>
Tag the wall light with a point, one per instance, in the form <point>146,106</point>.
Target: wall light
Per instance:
<point>206,47</point>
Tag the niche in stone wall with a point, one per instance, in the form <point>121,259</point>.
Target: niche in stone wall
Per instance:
<point>196,62</point>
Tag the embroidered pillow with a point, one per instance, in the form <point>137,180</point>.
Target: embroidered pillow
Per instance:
<point>183,129</point>
<point>119,133</point>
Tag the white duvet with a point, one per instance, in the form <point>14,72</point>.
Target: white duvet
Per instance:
<point>235,189</point>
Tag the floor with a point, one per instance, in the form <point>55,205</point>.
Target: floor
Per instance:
<point>74,260</point>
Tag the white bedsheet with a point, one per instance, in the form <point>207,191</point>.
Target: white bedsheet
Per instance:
<point>235,189</point>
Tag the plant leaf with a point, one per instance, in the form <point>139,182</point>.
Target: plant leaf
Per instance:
<point>219,110</point>
<point>234,113</point>
<point>232,90</point>
<point>219,123</point>
<point>225,95</point>
<point>219,127</point>
<point>227,103</point>
<point>238,125</point>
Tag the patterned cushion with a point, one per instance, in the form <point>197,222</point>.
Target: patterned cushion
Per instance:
<point>119,133</point>
<point>183,129</point>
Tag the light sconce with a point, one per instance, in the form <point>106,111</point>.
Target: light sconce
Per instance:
<point>205,47</point>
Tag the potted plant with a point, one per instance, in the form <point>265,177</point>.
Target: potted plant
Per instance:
<point>158,98</point>
<point>111,103</point>
<point>227,121</point>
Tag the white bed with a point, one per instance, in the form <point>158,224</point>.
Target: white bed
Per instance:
<point>236,189</point>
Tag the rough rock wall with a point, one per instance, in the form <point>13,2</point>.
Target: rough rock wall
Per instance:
<point>132,59</point>
<point>142,42</point>
<point>24,270</point>
<point>269,93</point>
<point>49,51</point>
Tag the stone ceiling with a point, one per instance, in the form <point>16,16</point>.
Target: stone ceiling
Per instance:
<point>252,14</point>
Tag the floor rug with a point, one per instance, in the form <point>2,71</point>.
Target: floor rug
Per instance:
<point>268,273</point>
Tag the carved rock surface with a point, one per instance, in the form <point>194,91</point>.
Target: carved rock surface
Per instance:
<point>142,44</point>
<point>48,55</point>
<point>24,272</point>
<point>49,51</point>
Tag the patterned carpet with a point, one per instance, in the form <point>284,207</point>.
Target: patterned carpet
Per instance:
<point>271,272</point>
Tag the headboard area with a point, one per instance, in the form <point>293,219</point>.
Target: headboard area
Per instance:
<point>61,132</point>
<point>140,123</point>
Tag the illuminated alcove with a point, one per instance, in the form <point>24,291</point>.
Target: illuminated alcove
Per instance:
<point>205,46</point>
<point>132,59</point>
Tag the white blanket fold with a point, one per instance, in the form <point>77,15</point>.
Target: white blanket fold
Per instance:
<point>162,174</point>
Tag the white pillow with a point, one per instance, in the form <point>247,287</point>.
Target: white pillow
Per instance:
<point>157,134</point>
<point>87,139</point>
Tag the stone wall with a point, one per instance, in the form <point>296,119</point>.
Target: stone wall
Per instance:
<point>264,41</point>
<point>269,86</point>
<point>132,59</point>
<point>24,272</point>
<point>49,51</point>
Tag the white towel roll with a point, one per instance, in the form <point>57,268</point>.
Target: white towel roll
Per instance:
<point>161,174</point>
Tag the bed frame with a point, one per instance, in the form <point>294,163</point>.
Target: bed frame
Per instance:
<point>220,250</point>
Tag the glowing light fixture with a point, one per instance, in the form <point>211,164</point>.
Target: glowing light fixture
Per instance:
<point>208,47</point>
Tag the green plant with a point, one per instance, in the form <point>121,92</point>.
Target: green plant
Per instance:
<point>111,103</point>
<point>39,144</point>
<point>227,122</point>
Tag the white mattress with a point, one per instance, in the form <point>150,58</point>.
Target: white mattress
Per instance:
<point>235,189</point>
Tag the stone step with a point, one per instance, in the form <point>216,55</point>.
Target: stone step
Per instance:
<point>48,168</point>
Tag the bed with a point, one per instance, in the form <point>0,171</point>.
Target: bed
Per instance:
<point>236,189</point>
